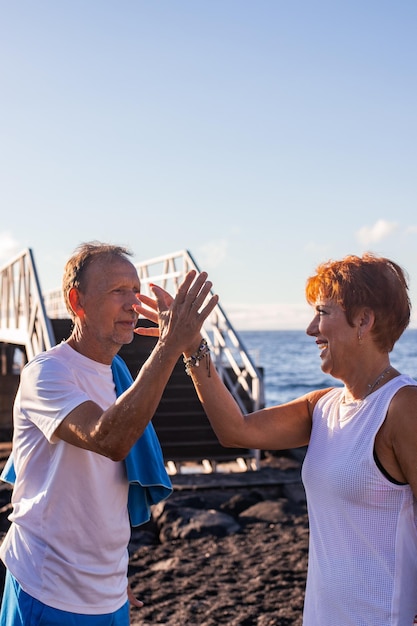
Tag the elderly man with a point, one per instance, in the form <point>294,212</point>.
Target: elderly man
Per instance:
<point>84,450</point>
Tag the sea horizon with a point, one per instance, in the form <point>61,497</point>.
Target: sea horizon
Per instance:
<point>290,361</point>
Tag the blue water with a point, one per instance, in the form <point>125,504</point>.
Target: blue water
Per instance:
<point>291,361</point>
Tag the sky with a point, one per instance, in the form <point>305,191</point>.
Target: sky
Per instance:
<point>264,136</point>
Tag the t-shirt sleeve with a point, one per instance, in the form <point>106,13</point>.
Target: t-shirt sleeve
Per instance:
<point>48,393</point>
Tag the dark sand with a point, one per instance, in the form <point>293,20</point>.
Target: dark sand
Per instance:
<point>252,577</point>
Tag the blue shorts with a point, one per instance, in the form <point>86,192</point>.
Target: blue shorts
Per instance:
<point>20,609</point>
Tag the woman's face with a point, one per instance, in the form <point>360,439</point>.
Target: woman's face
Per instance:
<point>336,339</point>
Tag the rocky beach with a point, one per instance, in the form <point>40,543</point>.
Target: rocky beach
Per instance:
<point>225,548</point>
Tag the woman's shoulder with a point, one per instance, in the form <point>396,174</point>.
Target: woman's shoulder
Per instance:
<point>403,405</point>
<point>328,393</point>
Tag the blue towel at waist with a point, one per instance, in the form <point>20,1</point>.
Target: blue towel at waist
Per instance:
<point>149,482</point>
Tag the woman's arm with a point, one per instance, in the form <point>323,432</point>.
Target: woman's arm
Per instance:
<point>274,428</point>
<point>396,441</point>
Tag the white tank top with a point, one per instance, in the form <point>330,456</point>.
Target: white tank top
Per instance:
<point>362,567</point>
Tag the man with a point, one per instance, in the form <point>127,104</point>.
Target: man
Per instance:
<point>75,443</point>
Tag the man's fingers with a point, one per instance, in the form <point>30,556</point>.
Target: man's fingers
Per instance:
<point>163,298</point>
<point>150,302</point>
<point>147,332</point>
<point>148,313</point>
<point>133,600</point>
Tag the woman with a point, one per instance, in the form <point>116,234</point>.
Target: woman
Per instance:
<point>360,470</point>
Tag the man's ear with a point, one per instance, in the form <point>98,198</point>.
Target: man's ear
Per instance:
<point>75,300</point>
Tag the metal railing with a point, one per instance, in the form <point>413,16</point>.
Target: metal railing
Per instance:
<point>23,319</point>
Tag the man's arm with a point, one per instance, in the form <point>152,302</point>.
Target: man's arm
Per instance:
<point>113,432</point>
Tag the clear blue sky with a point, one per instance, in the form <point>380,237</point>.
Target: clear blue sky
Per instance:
<point>264,136</point>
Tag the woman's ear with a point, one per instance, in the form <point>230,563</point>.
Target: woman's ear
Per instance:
<point>365,321</point>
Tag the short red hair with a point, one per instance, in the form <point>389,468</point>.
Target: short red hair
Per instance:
<point>367,281</point>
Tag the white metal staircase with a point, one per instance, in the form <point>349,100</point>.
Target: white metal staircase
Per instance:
<point>23,319</point>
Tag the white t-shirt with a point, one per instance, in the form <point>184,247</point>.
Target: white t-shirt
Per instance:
<point>67,544</point>
<point>362,568</point>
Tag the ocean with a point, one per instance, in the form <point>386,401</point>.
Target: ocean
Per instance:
<point>291,361</point>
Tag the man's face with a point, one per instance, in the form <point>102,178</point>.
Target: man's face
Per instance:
<point>109,291</point>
